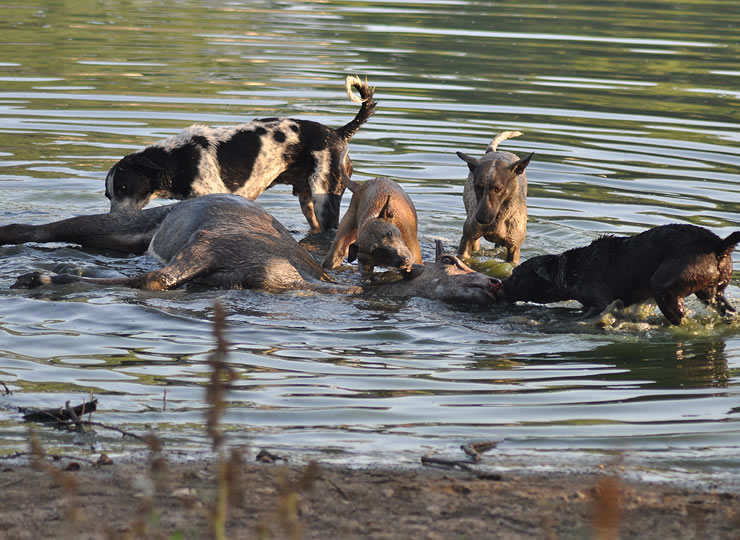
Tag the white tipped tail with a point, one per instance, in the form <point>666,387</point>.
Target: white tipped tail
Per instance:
<point>493,145</point>
<point>349,84</point>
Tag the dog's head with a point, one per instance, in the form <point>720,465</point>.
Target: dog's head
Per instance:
<point>132,182</point>
<point>380,243</point>
<point>494,182</point>
<point>536,280</point>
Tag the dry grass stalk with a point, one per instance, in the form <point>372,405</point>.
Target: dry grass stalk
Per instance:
<point>607,508</point>
<point>222,375</point>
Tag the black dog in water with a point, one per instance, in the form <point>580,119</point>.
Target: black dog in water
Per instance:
<point>666,263</point>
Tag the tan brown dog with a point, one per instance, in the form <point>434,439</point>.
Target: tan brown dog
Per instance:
<point>495,197</point>
<point>379,228</point>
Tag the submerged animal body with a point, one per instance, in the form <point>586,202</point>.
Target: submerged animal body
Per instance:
<point>666,263</point>
<point>227,241</point>
<point>246,160</point>
<point>495,197</point>
<point>222,241</point>
<point>379,228</point>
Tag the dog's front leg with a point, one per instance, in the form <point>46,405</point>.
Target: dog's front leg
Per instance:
<point>304,197</point>
<point>470,241</point>
<point>346,234</point>
<point>671,306</point>
<point>669,282</point>
<point>512,253</point>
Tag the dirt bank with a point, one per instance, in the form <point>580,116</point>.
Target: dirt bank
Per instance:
<point>124,500</point>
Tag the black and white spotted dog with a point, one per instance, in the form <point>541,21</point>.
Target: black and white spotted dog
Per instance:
<point>246,160</point>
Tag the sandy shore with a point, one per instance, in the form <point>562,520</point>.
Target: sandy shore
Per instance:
<point>137,500</point>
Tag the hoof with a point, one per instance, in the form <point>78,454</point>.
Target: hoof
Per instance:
<point>31,281</point>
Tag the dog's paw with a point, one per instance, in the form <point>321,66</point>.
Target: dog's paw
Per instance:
<point>31,281</point>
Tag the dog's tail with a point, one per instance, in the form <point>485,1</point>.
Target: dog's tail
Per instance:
<point>493,145</point>
<point>728,244</point>
<point>366,110</point>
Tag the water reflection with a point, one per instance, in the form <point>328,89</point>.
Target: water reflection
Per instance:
<point>630,115</point>
<point>663,364</point>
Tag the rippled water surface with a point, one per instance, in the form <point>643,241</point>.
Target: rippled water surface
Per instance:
<point>631,109</point>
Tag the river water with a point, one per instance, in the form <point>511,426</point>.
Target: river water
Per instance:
<point>631,109</point>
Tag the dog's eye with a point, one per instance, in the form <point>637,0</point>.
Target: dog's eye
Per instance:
<point>497,189</point>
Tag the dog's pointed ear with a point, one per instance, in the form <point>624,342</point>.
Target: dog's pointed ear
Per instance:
<point>144,162</point>
<point>544,274</point>
<point>518,166</point>
<point>352,253</point>
<point>471,161</point>
<point>387,212</point>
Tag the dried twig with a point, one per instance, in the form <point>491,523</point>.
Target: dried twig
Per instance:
<point>335,486</point>
<point>53,457</point>
<point>222,376</point>
<point>114,428</point>
<point>13,483</point>
<point>451,463</point>
<point>7,390</point>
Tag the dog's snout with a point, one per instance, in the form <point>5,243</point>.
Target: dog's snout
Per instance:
<point>483,216</point>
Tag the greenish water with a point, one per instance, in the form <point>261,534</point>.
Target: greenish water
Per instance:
<point>631,109</point>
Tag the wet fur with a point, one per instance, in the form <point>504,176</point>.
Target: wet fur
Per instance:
<point>666,263</point>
